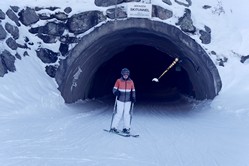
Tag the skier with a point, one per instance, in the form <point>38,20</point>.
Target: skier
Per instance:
<point>124,91</point>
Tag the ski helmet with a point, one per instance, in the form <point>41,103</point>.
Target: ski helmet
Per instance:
<point>125,71</point>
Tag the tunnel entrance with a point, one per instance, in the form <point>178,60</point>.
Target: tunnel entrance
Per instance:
<point>145,63</point>
<point>146,47</point>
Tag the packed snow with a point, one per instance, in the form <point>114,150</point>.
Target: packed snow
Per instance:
<point>37,128</point>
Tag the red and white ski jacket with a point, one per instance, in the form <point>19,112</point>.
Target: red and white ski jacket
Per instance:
<point>125,90</point>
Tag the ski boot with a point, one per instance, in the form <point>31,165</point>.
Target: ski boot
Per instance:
<point>114,130</point>
<point>126,131</point>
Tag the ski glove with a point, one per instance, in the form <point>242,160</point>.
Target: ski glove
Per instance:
<point>117,93</point>
<point>133,100</point>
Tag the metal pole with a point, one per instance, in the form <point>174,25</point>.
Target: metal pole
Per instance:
<point>114,111</point>
<point>131,112</point>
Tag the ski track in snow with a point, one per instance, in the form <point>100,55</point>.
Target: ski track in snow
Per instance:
<point>175,133</point>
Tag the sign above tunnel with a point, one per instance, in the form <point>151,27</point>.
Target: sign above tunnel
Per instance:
<point>139,10</point>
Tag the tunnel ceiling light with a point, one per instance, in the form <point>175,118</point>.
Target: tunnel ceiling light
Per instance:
<point>170,66</point>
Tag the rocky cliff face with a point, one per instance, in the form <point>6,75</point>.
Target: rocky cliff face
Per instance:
<point>58,26</point>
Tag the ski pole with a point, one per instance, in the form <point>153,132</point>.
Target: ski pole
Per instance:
<point>172,64</point>
<point>114,110</point>
<point>131,112</point>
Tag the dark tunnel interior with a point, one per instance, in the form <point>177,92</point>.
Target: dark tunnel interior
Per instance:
<point>147,48</point>
<point>145,63</point>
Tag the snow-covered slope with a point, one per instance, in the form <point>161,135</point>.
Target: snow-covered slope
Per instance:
<point>37,128</point>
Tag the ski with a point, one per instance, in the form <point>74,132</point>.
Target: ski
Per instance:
<point>122,134</point>
<point>119,133</point>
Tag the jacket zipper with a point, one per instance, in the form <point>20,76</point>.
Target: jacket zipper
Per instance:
<point>125,89</point>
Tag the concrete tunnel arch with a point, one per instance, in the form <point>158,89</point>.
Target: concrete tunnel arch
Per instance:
<point>75,75</point>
